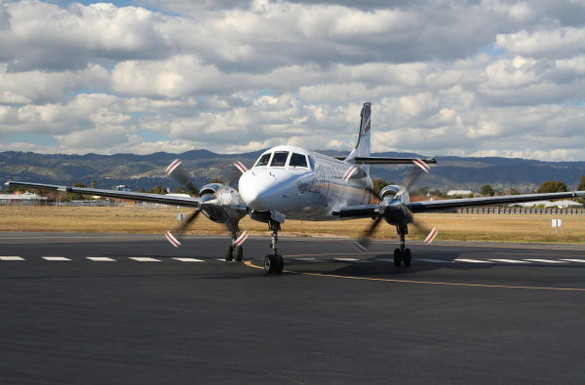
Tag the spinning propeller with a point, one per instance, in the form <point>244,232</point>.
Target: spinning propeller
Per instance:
<point>394,209</point>
<point>219,202</point>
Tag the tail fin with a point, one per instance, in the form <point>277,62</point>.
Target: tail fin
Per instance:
<point>362,148</point>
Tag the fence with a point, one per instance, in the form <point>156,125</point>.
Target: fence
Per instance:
<point>521,210</point>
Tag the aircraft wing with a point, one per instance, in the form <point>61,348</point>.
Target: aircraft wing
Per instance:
<point>417,207</point>
<point>135,196</point>
<point>373,210</point>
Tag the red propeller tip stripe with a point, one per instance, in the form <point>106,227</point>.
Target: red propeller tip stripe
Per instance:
<point>241,239</point>
<point>425,167</point>
<point>350,171</point>
<point>176,163</point>
<point>241,167</point>
<point>432,235</point>
<point>172,239</point>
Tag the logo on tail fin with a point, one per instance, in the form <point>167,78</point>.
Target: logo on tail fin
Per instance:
<point>366,122</point>
<point>362,148</point>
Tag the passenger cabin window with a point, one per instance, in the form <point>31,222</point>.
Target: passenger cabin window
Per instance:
<point>279,159</point>
<point>263,161</point>
<point>298,160</point>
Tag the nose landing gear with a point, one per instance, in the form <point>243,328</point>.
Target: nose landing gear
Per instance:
<point>402,254</point>
<point>273,262</point>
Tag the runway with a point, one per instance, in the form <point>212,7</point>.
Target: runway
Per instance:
<point>121,309</point>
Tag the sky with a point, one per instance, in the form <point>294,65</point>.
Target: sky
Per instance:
<point>465,78</point>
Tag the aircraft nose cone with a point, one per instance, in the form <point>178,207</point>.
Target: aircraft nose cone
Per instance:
<point>257,191</point>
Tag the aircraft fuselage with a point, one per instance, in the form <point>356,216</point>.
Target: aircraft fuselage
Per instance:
<point>302,189</point>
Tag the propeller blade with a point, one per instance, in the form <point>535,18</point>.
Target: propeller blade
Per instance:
<point>349,172</point>
<point>173,237</point>
<point>176,170</point>
<point>241,167</point>
<point>241,239</point>
<point>431,234</point>
<point>362,244</point>
<point>422,165</point>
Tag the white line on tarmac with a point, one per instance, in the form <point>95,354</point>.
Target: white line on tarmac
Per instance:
<point>145,259</point>
<point>502,260</point>
<point>11,258</point>
<point>574,260</point>
<point>56,259</point>
<point>101,259</point>
<point>188,259</point>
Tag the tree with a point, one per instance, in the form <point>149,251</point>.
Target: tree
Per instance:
<point>552,187</point>
<point>158,190</point>
<point>487,190</point>
<point>76,196</point>
<point>379,184</point>
<point>581,187</point>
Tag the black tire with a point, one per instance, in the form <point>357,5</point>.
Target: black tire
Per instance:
<point>407,257</point>
<point>279,264</point>
<point>397,257</point>
<point>270,264</point>
<point>238,253</point>
<point>229,253</point>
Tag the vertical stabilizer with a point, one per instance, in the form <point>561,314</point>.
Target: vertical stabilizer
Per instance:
<point>362,148</point>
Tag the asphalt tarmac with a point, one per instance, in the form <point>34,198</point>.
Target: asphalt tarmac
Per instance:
<point>120,309</point>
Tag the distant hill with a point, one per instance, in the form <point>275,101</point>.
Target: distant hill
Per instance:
<point>147,171</point>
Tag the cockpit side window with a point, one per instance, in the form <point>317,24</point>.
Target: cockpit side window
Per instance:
<point>298,160</point>
<point>279,159</point>
<point>263,160</point>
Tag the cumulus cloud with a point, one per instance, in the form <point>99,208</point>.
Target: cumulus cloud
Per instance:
<point>493,77</point>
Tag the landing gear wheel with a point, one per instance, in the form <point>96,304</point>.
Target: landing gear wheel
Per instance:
<point>407,257</point>
<point>273,263</point>
<point>229,253</point>
<point>270,263</point>
<point>398,257</point>
<point>238,253</point>
<point>279,264</point>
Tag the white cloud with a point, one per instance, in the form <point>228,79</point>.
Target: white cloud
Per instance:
<point>491,77</point>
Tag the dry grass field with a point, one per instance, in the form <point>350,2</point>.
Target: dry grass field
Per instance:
<point>465,227</point>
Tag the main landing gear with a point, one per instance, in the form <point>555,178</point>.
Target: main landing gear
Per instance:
<point>273,262</point>
<point>402,254</point>
<point>235,251</point>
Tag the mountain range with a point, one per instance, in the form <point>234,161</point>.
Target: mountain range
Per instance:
<point>147,171</point>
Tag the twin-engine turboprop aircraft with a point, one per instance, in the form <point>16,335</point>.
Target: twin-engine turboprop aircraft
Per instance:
<point>291,182</point>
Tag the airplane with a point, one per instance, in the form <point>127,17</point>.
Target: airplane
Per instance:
<point>295,183</point>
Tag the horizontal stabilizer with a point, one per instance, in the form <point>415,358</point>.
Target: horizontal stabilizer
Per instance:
<point>379,160</point>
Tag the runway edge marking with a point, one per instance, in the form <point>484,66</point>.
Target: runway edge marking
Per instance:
<point>461,284</point>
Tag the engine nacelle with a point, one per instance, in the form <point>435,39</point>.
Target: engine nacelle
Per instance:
<point>221,203</point>
<point>210,189</point>
<point>391,191</point>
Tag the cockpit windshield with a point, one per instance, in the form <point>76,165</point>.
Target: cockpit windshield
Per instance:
<point>263,161</point>
<point>280,158</point>
<point>298,160</point>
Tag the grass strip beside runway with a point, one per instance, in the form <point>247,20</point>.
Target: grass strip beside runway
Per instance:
<point>142,220</point>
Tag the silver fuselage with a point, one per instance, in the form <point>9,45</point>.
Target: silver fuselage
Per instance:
<point>310,192</point>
